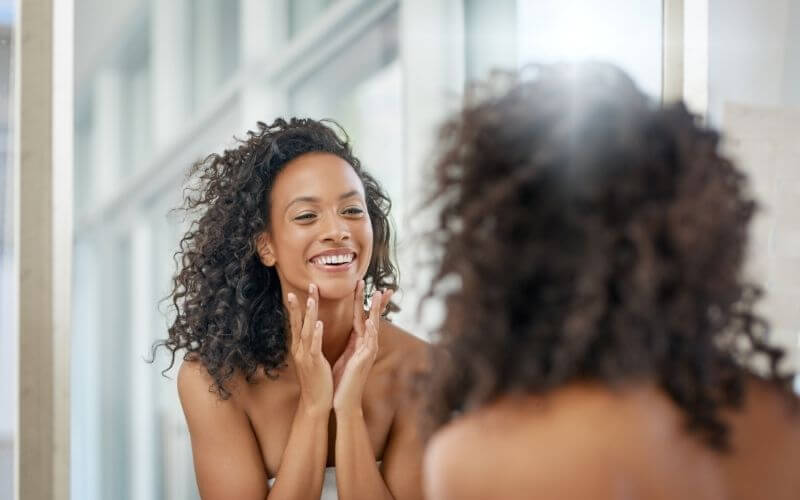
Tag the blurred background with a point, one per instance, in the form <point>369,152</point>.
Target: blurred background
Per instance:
<point>160,84</point>
<point>8,326</point>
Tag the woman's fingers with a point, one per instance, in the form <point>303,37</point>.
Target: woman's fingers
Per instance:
<point>310,320</point>
<point>306,330</point>
<point>376,307</point>
<point>316,340</point>
<point>295,323</point>
<point>313,292</point>
<point>379,302</point>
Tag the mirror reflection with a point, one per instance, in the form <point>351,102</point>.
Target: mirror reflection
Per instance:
<point>160,86</point>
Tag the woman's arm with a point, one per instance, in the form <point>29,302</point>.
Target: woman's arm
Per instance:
<point>226,453</point>
<point>302,469</point>
<point>402,459</point>
<point>357,474</point>
<point>227,460</point>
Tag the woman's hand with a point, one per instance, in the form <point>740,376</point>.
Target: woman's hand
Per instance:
<point>351,369</point>
<point>313,370</point>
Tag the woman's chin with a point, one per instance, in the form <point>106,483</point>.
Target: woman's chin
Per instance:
<point>337,289</point>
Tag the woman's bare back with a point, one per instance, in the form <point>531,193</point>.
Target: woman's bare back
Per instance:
<point>586,442</point>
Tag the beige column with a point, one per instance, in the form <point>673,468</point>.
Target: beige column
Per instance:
<point>672,55</point>
<point>43,164</point>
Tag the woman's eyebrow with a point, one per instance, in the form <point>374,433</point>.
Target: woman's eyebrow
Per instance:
<point>348,194</point>
<point>314,199</point>
<point>310,199</point>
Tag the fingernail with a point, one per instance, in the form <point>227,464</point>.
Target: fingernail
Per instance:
<point>290,297</point>
<point>310,302</point>
<point>319,324</point>
<point>311,288</point>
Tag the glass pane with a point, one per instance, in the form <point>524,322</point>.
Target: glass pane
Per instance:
<point>624,32</point>
<point>361,89</point>
<point>8,291</point>
<point>176,477</point>
<point>303,13</point>
<point>134,68</point>
<point>82,163</point>
<point>115,370</point>
<point>754,97</point>
<point>214,47</point>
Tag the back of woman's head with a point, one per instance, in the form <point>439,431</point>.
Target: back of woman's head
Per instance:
<point>229,309</point>
<point>594,237</point>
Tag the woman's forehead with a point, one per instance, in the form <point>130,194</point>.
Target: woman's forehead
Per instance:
<point>316,175</point>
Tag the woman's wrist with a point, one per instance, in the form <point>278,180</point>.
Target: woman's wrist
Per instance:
<point>348,410</point>
<point>314,410</point>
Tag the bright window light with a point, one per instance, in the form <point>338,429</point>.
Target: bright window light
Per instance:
<point>624,32</point>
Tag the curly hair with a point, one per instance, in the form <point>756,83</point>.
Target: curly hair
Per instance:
<point>595,236</point>
<point>230,313</point>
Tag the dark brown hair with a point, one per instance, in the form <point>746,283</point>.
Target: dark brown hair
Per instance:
<point>592,236</point>
<point>230,313</point>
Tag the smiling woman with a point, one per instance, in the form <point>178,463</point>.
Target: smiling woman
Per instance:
<point>286,374</point>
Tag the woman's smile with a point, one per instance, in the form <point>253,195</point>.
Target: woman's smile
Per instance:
<point>335,260</point>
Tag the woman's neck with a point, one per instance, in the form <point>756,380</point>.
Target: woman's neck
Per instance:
<point>337,322</point>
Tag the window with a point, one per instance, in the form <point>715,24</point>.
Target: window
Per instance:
<point>625,32</point>
<point>304,12</point>
<point>214,46</point>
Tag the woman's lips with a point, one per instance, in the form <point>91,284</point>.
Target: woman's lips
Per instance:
<point>334,260</point>
<point>334,268</point>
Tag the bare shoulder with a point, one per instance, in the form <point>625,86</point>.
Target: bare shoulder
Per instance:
<point>404,350</point>
<point>196,387</point>
<point>769,419</point>
<point>472,458</point>
<point>227,459</point>
<point>451,465</point>
<point>537,446</point>
<point>764,400</point>
<point>193,378</point>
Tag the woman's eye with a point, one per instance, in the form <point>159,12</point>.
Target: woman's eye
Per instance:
<point>305,217</point>
<point>353,211</point>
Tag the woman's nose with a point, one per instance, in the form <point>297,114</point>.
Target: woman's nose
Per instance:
<point>335,230</point>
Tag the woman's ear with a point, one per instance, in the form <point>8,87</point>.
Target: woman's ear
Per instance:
<point>264,249</point>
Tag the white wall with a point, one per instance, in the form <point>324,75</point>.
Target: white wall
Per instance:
<point>754,97</point>
<point>754,54</point>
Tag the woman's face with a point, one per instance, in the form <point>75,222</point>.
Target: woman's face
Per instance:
<point>320,231</point>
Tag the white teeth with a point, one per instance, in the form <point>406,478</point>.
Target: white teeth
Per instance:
<point>334,259</point>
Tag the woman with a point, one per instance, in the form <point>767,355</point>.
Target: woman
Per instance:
<point>601,340</point>
<point>285,373</point>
